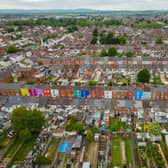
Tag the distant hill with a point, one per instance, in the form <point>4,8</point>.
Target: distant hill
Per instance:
<point>76,11</point>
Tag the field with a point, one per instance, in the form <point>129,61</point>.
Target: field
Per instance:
<point>4,144</point>
<point>128,151</point>
<point>52,148</point>
<point>12,149</point>
<point>92,154</point>
<point>24,150</point>
<point>116,151</point>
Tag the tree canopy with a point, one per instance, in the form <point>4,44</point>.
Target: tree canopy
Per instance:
<point>89,136</point>
<point>103,53</point>
<point>92,83</point>
<point>111,39</point>
<point>94,40</point>
<point>64,22</point>
<point>143,76</point>
<point>26,122</point>
<point>155,129</point>
<point>129,54</point>
<point>112,52</point>
<point>159,40</point>
<point>95,32</point>
<point>74,125</point>
<point>42,160</point>
<point>12,49</point>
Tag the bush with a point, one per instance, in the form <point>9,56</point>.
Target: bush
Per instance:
<point>12,49</point>
<point>92,83</point>
<point>112,52</point>
<point>42,160</point>
<point>93,41</point>
<point>103,53</point>
<point>129,54</point>
<point>143,76</point>
<point>159,40</point>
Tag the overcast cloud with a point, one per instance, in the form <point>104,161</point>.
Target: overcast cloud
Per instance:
<point>91,4</point>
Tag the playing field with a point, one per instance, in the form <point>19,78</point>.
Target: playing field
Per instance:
<point>116,151</point>
<point>128,151</point>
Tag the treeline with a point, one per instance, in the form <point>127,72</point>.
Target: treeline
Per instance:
<point>148,25</point>
<point>111,39</point>
<point>64,22</point>
<point>107,38</point>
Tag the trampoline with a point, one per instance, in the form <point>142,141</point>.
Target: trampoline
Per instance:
<point>65,147</point>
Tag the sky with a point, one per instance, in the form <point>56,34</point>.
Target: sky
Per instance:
<point>89,4</point>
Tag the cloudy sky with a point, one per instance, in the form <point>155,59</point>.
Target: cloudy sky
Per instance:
<point>91,4</point>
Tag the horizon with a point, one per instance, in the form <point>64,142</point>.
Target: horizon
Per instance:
<point>87,9</point>
<point>106,5</point>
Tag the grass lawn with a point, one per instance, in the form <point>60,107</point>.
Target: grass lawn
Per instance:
<point>92,154</point>
<point>128,151</point>
<point>24,150</point>
<point>52,148</point>
<point>116,151</point>
<point>164,148</point>
<point>65,160</point>
<point>5,141</point>
<point>12,148</point>
<point>117,125</point>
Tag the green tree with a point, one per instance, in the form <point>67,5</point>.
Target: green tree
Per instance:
<point>94,40</point>
<point>109,37</point>
<point>103,39</point>
<point>42,160</point>
<point>103,53</point>
<point>12,49</point>
<point>25,134</point>
<point>95,32</point>
<point>89,136</point>
<point>27,120</point>
<point>92,83</point>
<point>129,54</point>
<point>10,30</point>
<point>143,76</point>
<point>79,128</point>
<point>110,83</point>
<point>112,52</point>
<point>114,126</point>
<point>122,40</point>
<point>155,129</point>
<point>159,40</point>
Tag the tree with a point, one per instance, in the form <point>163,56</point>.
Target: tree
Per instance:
<point>10,30</point>
<point>110,83</point>
<point>159,40</point>
<point>12,49</point>
<point>114,126</point>
<point>42,160</point>
<point>95,32</point>
<point>103,39</point>
<point>79,128</point>
<point>89,136</point>
<point>109,37</point>
<point>103,53</point>
<point>155,129</point>
<point>112,52</point>
<point>143,76</point>
<point>92,83</point>
<point>94,40</point>
<point>72,29</point>
<point>122,40</point>
<point>129,54</point>
<point>30,121</point>
<point>25,134</point>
